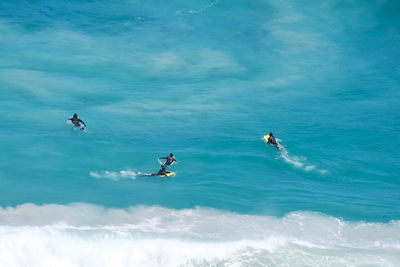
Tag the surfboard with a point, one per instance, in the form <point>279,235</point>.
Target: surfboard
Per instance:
<point>169,174</point>
<point>266,137</point>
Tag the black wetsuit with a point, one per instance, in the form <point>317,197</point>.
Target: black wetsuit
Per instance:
<point>76,122</point>
<point>162,172</point>
<point>272,141</point>
<point>169,160</point>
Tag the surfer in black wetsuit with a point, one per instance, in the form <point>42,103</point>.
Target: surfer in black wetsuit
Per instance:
<point>272,141</point>
<point>163,172</point>
<point>76,121</point>
<point>169,160</point>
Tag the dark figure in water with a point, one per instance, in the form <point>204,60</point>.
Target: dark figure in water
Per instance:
<point>76,121</point>
<point>169,160</point>
<point>272,141</point>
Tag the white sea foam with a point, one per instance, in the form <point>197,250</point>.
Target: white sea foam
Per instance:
<point>199,10</point>
<point>114,175</point>
<point>298,162</point>
<point>88,235</point>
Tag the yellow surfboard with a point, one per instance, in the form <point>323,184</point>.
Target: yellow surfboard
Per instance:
<point>266,137</point>
<point>169,174</point>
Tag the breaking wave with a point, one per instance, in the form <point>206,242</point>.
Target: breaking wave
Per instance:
<point>87,235</point>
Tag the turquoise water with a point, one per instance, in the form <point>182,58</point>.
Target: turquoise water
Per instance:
<point>205,80</point>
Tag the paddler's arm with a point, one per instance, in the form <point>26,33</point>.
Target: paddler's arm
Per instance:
<point>82,122</point>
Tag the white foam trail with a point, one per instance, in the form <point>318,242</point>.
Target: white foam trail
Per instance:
<point>309,168</point>
<point>124,174</point>
<point>295,161</point>
<point>88,235</point>
<point>298,162</point>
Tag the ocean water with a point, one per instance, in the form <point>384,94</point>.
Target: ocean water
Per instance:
<point>205,80</point>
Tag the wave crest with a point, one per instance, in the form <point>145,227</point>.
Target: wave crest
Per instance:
<point>87,235</point>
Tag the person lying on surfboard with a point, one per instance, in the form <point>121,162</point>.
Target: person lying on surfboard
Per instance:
<point>272,141</point>
<point>169,160</point>
<point>76,121</point>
